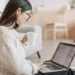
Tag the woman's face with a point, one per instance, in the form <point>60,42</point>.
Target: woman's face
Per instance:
<point>22,17</point>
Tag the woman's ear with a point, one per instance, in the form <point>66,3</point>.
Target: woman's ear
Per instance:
<point>19,11</point>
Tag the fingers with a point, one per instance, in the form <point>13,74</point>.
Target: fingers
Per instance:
<point>42,66</point>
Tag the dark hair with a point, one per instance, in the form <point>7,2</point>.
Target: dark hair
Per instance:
<point>9,14</point>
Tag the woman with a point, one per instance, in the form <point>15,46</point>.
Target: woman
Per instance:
<point>14,15</point>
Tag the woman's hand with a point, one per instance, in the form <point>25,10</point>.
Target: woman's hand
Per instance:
<point>24,39</point>
<point>40,65</point>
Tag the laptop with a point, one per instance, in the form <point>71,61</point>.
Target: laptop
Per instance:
<point>61,59</point>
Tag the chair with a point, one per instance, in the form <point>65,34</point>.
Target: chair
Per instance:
<point>48,28</point>
<point>61,24</point>
<point>60,27</point>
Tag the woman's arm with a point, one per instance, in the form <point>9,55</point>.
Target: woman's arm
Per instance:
<point>21,36</point>
<point>24,66</point>
<point>24,39</point>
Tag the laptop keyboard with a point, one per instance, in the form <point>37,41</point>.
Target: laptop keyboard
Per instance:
<point>52,66</point>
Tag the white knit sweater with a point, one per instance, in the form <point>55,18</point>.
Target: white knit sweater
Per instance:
<point>12,54</point>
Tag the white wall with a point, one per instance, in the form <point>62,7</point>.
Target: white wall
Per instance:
<point>49,4</point>
<point>2,4</point>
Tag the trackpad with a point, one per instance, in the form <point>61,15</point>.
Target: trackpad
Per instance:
<point>45,70</point>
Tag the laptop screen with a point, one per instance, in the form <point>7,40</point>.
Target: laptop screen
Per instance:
<point>64,54</point>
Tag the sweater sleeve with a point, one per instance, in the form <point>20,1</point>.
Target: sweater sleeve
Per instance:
<point>22,65</point>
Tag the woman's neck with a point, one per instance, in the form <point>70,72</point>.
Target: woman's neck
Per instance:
<point>11,27</point>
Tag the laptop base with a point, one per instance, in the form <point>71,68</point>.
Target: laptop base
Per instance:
<point>52,66</point>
